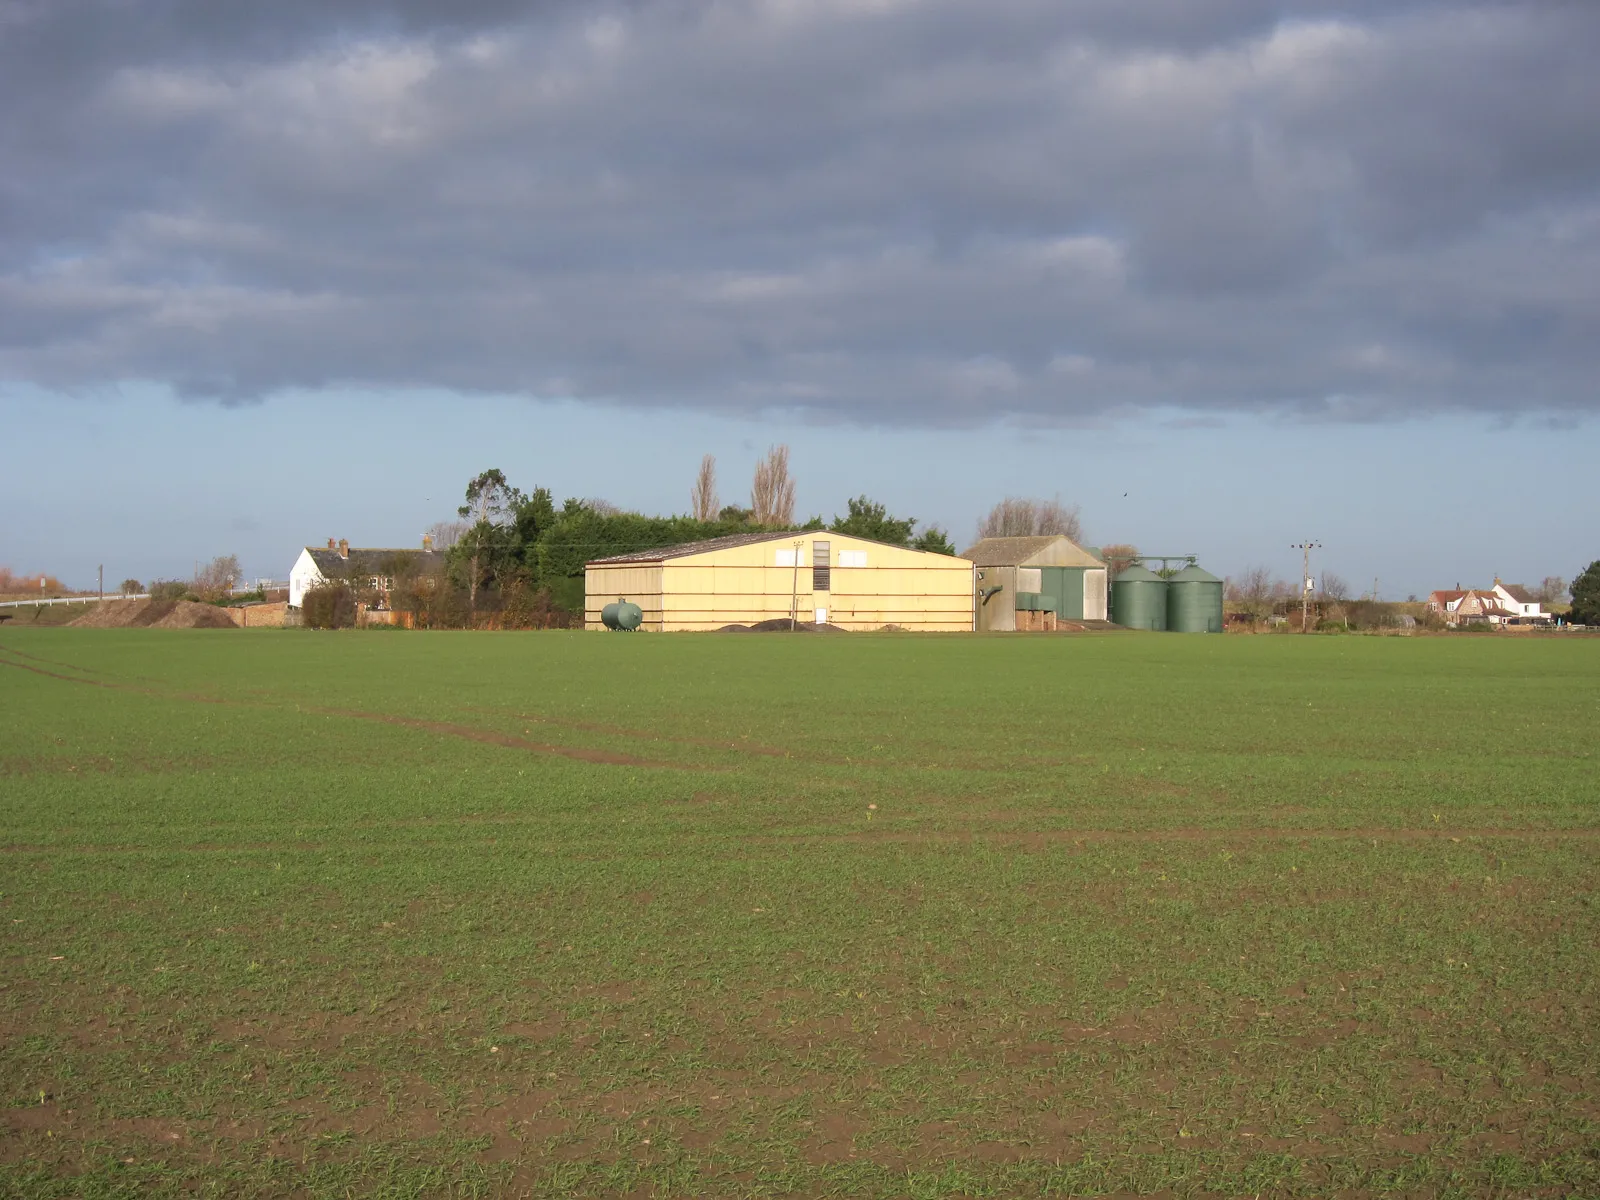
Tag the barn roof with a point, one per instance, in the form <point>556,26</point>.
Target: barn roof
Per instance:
<point>657,554</point>
<point>1014,551</point>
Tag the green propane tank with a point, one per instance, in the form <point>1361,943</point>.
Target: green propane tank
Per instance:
<point>622,616</point>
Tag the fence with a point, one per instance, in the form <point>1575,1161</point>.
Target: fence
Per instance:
<point>48,600</point>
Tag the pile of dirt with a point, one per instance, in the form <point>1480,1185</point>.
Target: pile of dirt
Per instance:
<point>154,614</point>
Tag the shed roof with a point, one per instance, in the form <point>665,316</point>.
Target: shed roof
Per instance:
<point>1016,551</point>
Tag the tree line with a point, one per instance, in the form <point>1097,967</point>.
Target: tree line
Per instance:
<point>516,557</point>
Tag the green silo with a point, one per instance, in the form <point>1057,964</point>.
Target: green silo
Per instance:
<point>1194,601</point>
<point>1139,599</point>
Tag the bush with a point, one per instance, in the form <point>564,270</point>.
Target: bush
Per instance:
<point>131,587</point>
<point>170,589</point>
<point>329,607</point>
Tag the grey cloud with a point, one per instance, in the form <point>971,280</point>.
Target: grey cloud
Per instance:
<point>921,211</point>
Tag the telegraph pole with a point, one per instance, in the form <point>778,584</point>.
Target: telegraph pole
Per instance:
<point>1305,548</point>
<point>102,583</point>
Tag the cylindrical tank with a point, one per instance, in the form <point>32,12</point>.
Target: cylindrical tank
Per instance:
<point>1194,601</point>
<point>623,616</point>
<point>1139,599</point>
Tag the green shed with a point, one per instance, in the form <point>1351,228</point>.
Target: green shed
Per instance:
<point>1049,573</point>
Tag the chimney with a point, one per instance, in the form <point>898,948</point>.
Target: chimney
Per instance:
<point>331,545</point>
<point>427,543</point>
<point>344,548</point>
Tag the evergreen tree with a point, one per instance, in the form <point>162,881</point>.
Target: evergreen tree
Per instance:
<point>1586,596</point>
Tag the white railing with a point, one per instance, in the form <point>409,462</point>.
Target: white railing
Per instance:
<point>71,600</point>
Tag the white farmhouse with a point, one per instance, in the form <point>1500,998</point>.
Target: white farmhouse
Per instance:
<point>367,569</point>
<point>1520,602</point>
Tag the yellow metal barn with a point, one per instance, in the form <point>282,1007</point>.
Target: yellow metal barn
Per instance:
<point>819,577</point>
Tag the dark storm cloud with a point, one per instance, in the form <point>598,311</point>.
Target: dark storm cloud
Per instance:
<point>881,210</point>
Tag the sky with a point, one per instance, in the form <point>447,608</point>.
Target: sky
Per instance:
<point>1227,274</point>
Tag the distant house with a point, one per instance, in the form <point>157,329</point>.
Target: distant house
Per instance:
<point>1498,605</point>
<point>1478,605</point>
<point>1522,603</point>
<point>370,569</point>
<point>1444,603</point>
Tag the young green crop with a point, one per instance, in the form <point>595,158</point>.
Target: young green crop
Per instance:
<point>478,914</point>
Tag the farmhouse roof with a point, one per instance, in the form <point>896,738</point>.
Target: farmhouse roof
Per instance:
<point>1013,551</point>
<point>375,561</point>
<point>1518,593</point>
<point>1445,594</point>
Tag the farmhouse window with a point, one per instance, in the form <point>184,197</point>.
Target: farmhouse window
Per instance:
<point>820,581</point>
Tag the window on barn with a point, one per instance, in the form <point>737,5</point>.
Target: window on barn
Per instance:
<point>820,581</point>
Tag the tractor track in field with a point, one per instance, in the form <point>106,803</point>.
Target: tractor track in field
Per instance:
<point>1026,840</point>
<point>1031,839</point>
<point>473,733</point>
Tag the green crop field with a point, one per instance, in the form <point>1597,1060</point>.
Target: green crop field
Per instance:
<point>579,914</point>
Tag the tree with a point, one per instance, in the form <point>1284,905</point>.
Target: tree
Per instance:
<point>1586,596</point>
<point>216,579</point>
<point>131,587</point>
<point>732,514</point>
<point>446,534</point>
<point>1017,516</point>
<point>1254,592</point>
<point>1552,591</point>
<point>328,606</point>
<point>868,519</point>
<point>1334,587</point>
<point>772,490</point>
<point>703,500</point>
<point>934,540</point>
<point>1119,556</point>
<point>490,503</point>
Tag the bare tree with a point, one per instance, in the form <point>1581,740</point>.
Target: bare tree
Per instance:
<point>1017,516</point>
<point>1254,592</point>
<point>1334,588</point>
<point>772,491</point>
<point>703,500</point>
<point>216,579</point>
<point>1119,557</point>
<point>601,507</point>
<point>1552,591</point>
<point>446,534</point>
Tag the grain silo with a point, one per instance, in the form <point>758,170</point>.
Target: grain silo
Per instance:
<point>1194,601</point>
<point>1139,599</point>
